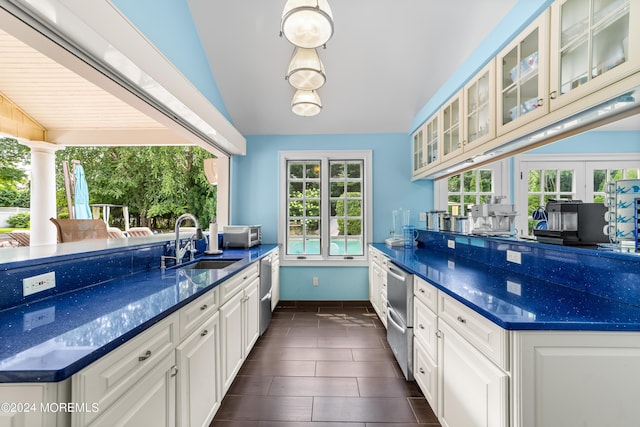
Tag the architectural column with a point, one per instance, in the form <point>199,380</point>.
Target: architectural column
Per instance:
<point>43,192</point>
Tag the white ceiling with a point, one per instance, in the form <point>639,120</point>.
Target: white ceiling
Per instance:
<point>384,62</point>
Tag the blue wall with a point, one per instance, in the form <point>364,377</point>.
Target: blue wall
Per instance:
<point>168,24</point>
<point>594,142</point>
<point>255,180</point>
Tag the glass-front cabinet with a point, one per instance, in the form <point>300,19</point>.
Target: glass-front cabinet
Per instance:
<point>451,127</point>
<point>418,151</point>
<point>479,98</point>
<point>523,77</point>
<point>593,44</point>
<point>432,136</point>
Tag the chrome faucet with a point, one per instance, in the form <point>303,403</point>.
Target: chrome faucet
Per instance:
<point>189,246</point>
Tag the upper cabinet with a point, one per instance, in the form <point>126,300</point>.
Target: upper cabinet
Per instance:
<point>425,146</point>
<point>523,77</point>
<point>593,44</point>
<point>451,131</point>
<point>479,101</point>
<point>418,151</point>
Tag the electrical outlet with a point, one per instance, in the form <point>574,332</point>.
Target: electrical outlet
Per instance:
<point>35,284</point>
<point>514,288</point>
<point>315,281</point>
<point>451,244</point>
<point>38,318</point>
<point>514,256</point>
<point>451,265</point>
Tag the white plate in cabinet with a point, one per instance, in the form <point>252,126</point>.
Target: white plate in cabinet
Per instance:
<point>426,293</point>
<point>230,287</point>
<point>425,372</point>
<point>486,336</point>
<point>197,312</point>
<point>106,380</point>
<point>425,328</point>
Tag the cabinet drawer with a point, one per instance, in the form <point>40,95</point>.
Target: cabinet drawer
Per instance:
<point>197,312</point>
<point>383,310</point>
<point>230,287</point>
<point>426,292</point>
<point>425,371</point>
<point>106,380</point>
<point>425,327</point>
<point>483,334</point>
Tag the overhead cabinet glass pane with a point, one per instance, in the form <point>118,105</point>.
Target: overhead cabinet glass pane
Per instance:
<point>478,109</point>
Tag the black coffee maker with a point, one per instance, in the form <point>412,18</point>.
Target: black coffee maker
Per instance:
<point>572,222</point>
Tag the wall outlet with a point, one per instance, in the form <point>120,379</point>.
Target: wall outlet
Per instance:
<point>451,265</point>
<point>38,318</point>
<point>514,256</point>
<point>315,281</point>
<point>514,288</point>
<point>451,244</point>
<point>35,284</point>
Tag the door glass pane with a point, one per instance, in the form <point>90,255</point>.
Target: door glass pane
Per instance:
<point>550,177</point>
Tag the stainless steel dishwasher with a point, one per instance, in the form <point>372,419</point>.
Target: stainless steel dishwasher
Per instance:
<point>265,293</point>
<point>400,317</point>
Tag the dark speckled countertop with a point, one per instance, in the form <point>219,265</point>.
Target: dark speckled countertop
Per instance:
<point>515,301</point>
<point>51,339</point>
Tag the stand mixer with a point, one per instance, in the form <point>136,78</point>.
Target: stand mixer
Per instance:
<point>493,219</point>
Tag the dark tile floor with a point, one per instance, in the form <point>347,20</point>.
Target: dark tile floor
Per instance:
<point>323,364</point>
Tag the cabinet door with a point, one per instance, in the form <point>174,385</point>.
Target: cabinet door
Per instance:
<point>275,280</point>
<point>479,108</point>
<point>150,402</point>
<point>418,151</point>
<point>593,44</point>
<point>473,392</point>
<point>251,315</point>
<point>198,359</point>
<point>522,69</point>
<point>451,127</point>
<point>27,399</point>
<point>231,344</point>
<point>375,287</point>
<point>425,327</point>
<point>425,371</point>
<point>432,141</point>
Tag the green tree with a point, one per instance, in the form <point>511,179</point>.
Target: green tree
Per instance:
<point>13,159</point>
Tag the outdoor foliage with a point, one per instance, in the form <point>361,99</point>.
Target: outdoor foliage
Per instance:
<point>14,198</point>
<point>19,220</point>
<point>13,159</point>
<point>157,183</point>
<point>354,209</point>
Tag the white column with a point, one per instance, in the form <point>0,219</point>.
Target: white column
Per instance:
<point>43,192</point>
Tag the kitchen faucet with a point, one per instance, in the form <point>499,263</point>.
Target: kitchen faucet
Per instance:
<point>189,246</point>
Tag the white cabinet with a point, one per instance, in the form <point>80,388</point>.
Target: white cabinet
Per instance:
<point>522,77</point>
<point>426,145</point>
<point>473,392</point>
<point>116,379</point>
<point>594,43</point>
<point>425,340</point>
<point>419,162</point>
<point>378,265</point>
<point>275,279</point>
<point>576,378</point>
<point>479,108</point>
<point>452,129</point>
<point>240,328</point>
<point>26,402</point>
<point>198,388</point>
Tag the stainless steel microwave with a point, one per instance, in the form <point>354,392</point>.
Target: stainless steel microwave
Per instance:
<point>241,236</point>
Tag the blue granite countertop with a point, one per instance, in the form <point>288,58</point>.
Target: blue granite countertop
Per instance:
<point>515,301</point>
<point>50,339</point>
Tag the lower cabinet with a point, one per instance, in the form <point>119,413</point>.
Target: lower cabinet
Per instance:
<point>240,329</point>
<point>378,263</point>
<point>472,390</point>
<point>198,388</point>
<point>34,404</point>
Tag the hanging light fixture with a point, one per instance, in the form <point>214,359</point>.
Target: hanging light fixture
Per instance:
<point>306,103</point>
<point>307,23</point>
<point>306,71</point>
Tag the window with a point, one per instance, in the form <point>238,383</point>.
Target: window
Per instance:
<point>325,198</point>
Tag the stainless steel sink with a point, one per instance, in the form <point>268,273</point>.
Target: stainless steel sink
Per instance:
<point>210,264</point>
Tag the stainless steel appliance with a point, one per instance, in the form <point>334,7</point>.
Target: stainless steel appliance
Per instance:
<point>493,219</point>
<point>265,293</point>
<point>241,236</point>
<point>400,317</point>
<point>572,222</point>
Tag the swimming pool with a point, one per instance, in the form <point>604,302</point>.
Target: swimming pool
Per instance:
<point>353,247</point>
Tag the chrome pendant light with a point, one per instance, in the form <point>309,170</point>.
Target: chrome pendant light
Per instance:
<point>307,23</point>
<point>306,71</point>
<point>306,103</point>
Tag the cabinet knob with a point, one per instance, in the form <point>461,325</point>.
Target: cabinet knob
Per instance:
<point>461,319</point>
<point>438,334</point>
<point>540,102</point>
<point>174,370</point>
<point>203,333</point>
<point>204,307</point>
<point>421,290</point>
<point>145,356</point>
<point>421,326</point>
<point>553,95</point>
<point>421,370</point>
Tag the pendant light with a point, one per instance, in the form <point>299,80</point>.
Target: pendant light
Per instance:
<point>306,103</point>
<point>307,23</point>
<point>306,71</point>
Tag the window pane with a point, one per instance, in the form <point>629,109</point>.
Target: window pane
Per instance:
<point>486,181</point>
<point>313,208</point>
<point>599,179</point>
<point>337,170</point>
<point>534,180</point>
<point>295,170</point>
<point>354,208</point>
<point>312,170</point>
<point>295,190</point>
<point>337,206</point>
<point>469,181</point>
<point>354,227</point>
<point>337,189</point>
<point>312,190</point>
<point>615,174</point>
<point>354,170</point>
<point>566,181</point>
<point>550,180</point>
<point>632,174</point>
<point>312,227</point>
<point>354,188</point>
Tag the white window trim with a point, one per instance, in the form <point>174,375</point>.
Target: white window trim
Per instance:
<point>585,164</point>
<point>500,181</point>
<point>321,260</point>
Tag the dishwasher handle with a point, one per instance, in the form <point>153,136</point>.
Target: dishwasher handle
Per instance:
<point>397,273</point>
<point>390,317</point>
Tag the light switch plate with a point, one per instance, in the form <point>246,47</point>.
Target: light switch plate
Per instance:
<point>39,283</point>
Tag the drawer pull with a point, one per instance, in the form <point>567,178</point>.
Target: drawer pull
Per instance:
<point>174,371</point>
<point>245,278</point>
<point>421,370</point>
<point>421,326</point>
<point>203,333</point>
<point>145,357</point>
<point>204,307</point>
<point>461,319</point>
<point>438,334</point>
<point>421,290</point>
